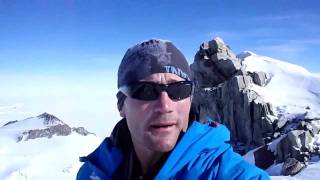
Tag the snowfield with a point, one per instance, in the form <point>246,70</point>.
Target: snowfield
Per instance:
<point>42,158</point>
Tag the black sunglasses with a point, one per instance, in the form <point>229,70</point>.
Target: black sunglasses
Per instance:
<point>149,91</point>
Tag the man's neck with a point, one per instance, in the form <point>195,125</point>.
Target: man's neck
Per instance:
<point>146,157</point>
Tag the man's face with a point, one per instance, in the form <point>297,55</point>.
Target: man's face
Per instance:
<point>156,124</point>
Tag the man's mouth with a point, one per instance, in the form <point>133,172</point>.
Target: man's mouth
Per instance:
<point>162,125</point>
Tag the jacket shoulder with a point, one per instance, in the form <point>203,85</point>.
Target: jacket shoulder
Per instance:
<point>204,153</point>
<point>101,163</point>
<point>90,171</point>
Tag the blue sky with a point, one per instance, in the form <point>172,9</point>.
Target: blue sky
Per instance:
<point>67,35</point>
<point>63,48</point>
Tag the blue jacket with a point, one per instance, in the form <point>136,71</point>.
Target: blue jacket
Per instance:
<point>202,153</point>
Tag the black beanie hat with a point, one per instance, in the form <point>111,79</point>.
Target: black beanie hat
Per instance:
<point>149,57</point>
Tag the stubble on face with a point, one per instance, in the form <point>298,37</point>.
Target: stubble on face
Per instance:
<point>156,125</point>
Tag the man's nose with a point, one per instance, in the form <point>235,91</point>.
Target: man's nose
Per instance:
<point>164,104</point>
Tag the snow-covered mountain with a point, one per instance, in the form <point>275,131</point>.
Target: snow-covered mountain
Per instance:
<point>294,94</point>
<point>292,89</point>
<point>42,147</point>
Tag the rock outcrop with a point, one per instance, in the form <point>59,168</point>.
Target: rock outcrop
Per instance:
<point>51,126</point>
<point>291,167</point>
<point>222,93</point>
<point>296,144</point>
<point>58,130</point>
<point>260,78</point>
<point>49,120</point>
<point>10,122</point>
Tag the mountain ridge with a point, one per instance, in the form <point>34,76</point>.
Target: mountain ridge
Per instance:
<point>43,125</point>
<point>43,152</point>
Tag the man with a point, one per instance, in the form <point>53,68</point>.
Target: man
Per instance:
<point>155,140</point>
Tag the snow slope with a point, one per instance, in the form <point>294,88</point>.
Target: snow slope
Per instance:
<point>292,91</point>
<point>41,158</point>
<point>291,88</point>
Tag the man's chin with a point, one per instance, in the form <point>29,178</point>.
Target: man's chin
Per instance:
<point>164,145</point>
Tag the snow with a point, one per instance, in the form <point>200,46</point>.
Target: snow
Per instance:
<point>249,156</point>
<point>275,171</point>
<point>29,123</point>
<point>16,129</point>
<point>311,172</point>
<point>291,86</point>
<point>317,141</point>
<point>273,145</point>
<point>294,92</point>
<point>42,158</point>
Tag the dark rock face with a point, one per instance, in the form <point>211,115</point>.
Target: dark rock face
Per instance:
<point>260,78</point>
<point>297,139</point>
<point>222,93</point>
<point>214,63</point>
<point>10,122</point>
<point>82,131</point>
<point>49,119</point>
<point>295,145</point>
<point>264,158</point>
<point>291,167</point>
<point>59,130</point>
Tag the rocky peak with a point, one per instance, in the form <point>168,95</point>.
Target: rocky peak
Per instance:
<point>49,119</point>
<point>215,60</point>
<point>217,45</point>
<point>222,93</point>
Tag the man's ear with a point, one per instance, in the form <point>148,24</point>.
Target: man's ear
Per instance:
<point>122,112</point>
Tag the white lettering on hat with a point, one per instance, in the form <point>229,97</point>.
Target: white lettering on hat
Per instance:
<point>176,70</point>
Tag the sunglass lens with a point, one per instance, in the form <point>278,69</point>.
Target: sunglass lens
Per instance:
<point>149,91</point>
<point>179,90</point>
<point>144,91</point>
